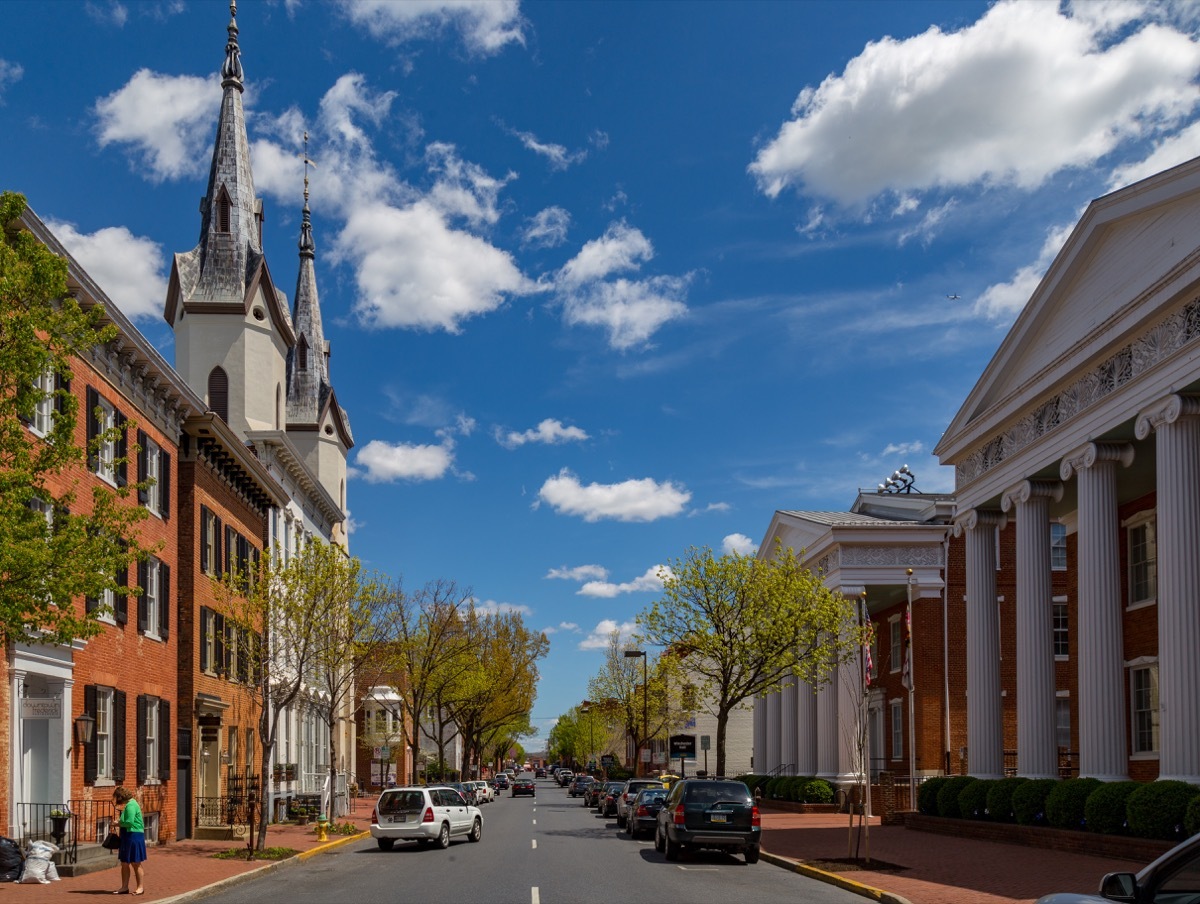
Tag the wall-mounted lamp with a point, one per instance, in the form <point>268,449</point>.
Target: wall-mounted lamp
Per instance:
<point>85,729</point>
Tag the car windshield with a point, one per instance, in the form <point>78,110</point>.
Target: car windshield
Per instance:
<point>401,801</point>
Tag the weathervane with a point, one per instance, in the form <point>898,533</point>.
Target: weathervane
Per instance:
<point>307,246</point>
<point>901,481</point>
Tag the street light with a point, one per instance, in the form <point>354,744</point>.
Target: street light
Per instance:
<point>586,709</point>
<point>634,654</point>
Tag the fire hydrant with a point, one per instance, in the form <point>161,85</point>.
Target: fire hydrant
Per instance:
<point>322,826</point>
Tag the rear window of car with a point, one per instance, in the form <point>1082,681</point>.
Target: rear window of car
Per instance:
<point>401,802</point>
<point>711,792</point>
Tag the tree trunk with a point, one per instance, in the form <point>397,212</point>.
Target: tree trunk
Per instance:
<point>722,724</point>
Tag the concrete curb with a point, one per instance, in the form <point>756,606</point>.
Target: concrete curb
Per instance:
<point>866,891</point>
<point>232,881</point>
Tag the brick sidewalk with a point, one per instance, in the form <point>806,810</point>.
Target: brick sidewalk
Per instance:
<point>184,866</point>
<point>940,869</point>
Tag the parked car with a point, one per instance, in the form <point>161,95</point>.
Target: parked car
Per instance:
<point>564,776</point>
<point>424,815</point>
<point>1173,877</point>
<point>484,793</point>
<point>579,785</point>
<point>500,782</point>
<point>539,773</point>
<point>629,792</point>
<point>607,803</point>
<point>524,784</point>
<point>643,812</point>
<point>466,789</point>
<point>709,813</point>
<point>591,796</point>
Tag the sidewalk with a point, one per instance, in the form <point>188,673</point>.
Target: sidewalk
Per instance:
<point>939,869</point>
<point>181,867</point>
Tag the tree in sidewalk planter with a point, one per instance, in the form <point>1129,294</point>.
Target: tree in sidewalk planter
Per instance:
<point>747,626</point>
<point>1159,809</point>
<point>1029,801</point>
<point>947,799</point>
<point>999,798</point>
<point>1105,810</point>
<point>1066,802</point>
<point>973,799</point>
<point>57,547</point>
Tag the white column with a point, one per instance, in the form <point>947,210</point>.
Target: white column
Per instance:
<point>1176,424</point>
<point>985,734</point>
<point>827,730</point>
<point>806,730</point>
<point>1037,750</point>
<point>1101,667</point>
<point>849,693</point>
<point>789,750</point>
<point>760,735</point>
<point>774,735</point>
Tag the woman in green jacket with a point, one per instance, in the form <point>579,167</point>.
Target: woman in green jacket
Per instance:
<point>132,852</point>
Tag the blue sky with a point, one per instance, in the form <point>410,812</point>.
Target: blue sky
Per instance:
<point>604,281</point>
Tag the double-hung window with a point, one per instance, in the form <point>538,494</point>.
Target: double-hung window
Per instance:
<point>154,474</point>
<point>1143,697</point>
<point>1061,636</point>
<point>1058,546</point>
<point>43,414</point>
<point>151,740</point>
<point>897,718</point>
<point>104,732</point>
<point>154,604</point>
<point>107,451</point>
<point>1143,561</point>
<point>897,643</point>
<point>154,740</point>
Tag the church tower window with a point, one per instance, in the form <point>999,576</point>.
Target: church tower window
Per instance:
<point>218,393</point>
<point>302,353</point>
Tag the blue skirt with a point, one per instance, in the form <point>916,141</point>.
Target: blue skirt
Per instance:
<point>133,847</point>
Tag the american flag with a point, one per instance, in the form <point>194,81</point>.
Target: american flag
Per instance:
<point>868,639</point>
<point>906,677</point>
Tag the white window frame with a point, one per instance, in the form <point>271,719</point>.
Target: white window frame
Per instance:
<point>1060,622</point>
<point>106,456</point>
<point>153,477</point>
<point>1062,719</point>
<point>151,599</point>
<point>1058,546</point>
<point>209,527</point>
<point>896,713</point>
<point>151,741</point>
<point>896,644</point>
<point>208,637</point>
<point>104,733</point>
<point>1149,668</point>
<point>1143,521</point>
<point>43,412</point>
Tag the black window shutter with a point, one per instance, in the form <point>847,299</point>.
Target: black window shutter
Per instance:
<point>164,484</point>
<point>90,604</point>
<point>164,740</point>
<point>205,633</point>
<point>221,665</point>
<point>142,602</point>
<point>122,451</point>
<point>93,428</point>
<point>142,457</point>
<point>89,749</point>
<point>164,600</point>
<point>216,566</point>
<point>118,736</point>
<point>62,385</point>
<point>230,550</point>
<point>243,662</point>
<point>121,600</point>
<point>205,516</point>
<point>141,739</point>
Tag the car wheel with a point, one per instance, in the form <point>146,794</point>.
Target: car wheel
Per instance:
<point>443,839</point>
<point>477,831</point>
<point>385,844</point>
<point>659,844</point>
<point>752,854</point>
<point>673,848</point>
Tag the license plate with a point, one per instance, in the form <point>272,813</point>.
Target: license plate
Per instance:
<point>718,817</point>
<point>401,818</point>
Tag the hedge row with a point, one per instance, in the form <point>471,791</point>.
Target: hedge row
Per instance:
<point>798,788</point>
<point>1167,810</point>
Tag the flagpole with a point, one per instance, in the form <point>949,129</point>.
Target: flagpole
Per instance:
<point>912,733</point>
<point>864,654</point>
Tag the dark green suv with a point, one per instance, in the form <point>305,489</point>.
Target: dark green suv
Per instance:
<point>709,813</point>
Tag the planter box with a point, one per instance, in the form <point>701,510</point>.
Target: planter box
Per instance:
<point>791,806</point>
<point>1120,847</point>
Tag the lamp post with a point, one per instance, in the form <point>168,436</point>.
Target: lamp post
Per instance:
<point>634,654</point>
<point>586,709</point>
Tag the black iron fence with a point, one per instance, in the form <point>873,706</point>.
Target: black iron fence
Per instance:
<point>240,805</point>
<point>69,824</point>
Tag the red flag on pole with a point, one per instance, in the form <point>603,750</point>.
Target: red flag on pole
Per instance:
<point>906,675</point>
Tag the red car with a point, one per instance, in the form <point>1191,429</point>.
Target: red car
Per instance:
<point>524,785</point>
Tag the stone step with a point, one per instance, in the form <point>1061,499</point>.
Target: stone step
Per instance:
<point>90,858</point>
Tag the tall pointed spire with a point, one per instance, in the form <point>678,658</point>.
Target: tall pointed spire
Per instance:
<point>231,71</point>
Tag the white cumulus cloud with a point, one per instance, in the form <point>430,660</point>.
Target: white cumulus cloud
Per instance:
<point>382,462</point>
<point>602,634</point>
<point>486,26</point>
<point>739,543</point>
<point>578,573</point>
<point>1004,301</point>
<point>652,581</point>
<point>129,268</point>
<point>568,627</point>
<point>550,432</point>
<point>630,500</point>
<point>1026,91</point>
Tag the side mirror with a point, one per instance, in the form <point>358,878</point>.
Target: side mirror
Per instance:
<point>1119,887</point>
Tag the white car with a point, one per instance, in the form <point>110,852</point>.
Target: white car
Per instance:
<point>484,792</point>
<point>424,815</point>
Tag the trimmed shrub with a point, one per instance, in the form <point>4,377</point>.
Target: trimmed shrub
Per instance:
<point>1157,809</point>
<point>999,798</point>
<point>1105,808</point>
<point>1191,818</point>
<point>927,794</point>
<point>795,788</point>
<point>773,788</point>
<point>1065,803</point>
<point>947,799</point>
<point>1029,801</point>
<point>818,791</point>
<point>972,800</point>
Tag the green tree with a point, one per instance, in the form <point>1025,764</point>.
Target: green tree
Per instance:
<point>56,546</point>
<point>743,626</point>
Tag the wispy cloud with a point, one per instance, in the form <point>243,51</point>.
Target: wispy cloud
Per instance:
<point>10,74</point>
<point>651,581</point>
<point>578,573</point>
<point>602,634</point>
<point>549,432</point>
<point>486,26</point>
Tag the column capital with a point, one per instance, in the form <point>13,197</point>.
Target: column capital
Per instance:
<point>1089,454</point>
<point>1165,411</point>
<point>1031,489</point>
<point>973,519</point>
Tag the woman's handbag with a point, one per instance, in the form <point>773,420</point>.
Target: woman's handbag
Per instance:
<point>111,841</point>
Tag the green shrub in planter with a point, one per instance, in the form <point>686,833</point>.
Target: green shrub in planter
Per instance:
<point>818,791</point>
<point>927,794</point>
<point>999,798</point>
<point>1191,817</point>
<point>947,799</point>
<point>1157,809</point>
<point>1105,808</point>
<point>1065,803</point>
<point>972,800</point>
<point>1029,801</point>
<point>773,786</point>
<point>795,788</point>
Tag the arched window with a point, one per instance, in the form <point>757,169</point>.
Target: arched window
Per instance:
<point>218,393</point>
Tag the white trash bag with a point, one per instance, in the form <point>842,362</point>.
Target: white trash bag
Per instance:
<point>39,868</point>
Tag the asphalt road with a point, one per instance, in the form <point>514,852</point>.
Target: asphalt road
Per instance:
<point>542,850</point>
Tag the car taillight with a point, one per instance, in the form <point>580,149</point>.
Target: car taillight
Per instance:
<point>428,817</point>
<point>755,817</point>
<point>677,817</point>
<point>375,815</point>
<point>642,811</point>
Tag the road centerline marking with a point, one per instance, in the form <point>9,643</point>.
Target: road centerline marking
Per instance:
<point>535,898</point>
<point>534,844</point>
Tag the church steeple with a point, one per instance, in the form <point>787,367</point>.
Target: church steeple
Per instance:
<point>308,386</point>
